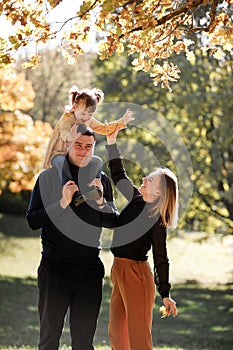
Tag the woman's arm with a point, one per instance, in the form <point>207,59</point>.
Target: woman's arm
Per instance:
<point>118,173</point>
<point>161,267</point>
<point>161,261</point>
<point>106,204</point>
<point>117,170</point>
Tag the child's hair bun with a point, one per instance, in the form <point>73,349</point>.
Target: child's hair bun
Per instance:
<point>96,94</point>
<point>99,95</point>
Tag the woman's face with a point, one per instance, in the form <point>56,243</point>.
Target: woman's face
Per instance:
<point>151,188</point>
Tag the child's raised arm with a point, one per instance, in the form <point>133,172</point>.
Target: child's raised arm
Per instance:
<point>109,128</point>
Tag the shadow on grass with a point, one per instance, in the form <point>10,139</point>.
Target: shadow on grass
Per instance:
<point>205,319</point>
<point>204,322</point>
<point>18,312</point>
<point>16,226</point>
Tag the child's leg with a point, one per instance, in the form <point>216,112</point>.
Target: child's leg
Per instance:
<point>87,175</point>
<point>95,167</point>
<point>95,172</point>
<point>60,162</point>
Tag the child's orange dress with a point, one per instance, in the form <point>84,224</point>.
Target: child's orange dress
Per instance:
<point>58,139</point>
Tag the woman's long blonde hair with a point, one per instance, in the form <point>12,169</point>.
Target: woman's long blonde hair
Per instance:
<point>167,204</point>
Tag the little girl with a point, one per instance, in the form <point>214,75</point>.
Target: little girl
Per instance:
<point>83,104</point>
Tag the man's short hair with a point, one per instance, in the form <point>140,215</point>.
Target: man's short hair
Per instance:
<point>85,130</point>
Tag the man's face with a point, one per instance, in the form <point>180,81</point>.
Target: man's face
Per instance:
<point>81,150</point>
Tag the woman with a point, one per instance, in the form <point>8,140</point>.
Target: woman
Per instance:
<point>142,224</point>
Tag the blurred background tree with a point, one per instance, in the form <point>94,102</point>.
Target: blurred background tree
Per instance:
<point>21,139</point>
<point>52,80</point>
<point>150,30</point>
<point>199,107</point>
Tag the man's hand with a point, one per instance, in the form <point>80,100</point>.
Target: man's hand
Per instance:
<point>73,135</point>
<point>68,191</point>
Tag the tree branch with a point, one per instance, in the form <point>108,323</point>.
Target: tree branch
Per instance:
<point>178,12</point>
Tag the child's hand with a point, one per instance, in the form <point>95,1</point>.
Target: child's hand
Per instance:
<point>128,116</point>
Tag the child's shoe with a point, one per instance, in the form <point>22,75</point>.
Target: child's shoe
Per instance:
<point>78,198</point>
<point>94,194</point>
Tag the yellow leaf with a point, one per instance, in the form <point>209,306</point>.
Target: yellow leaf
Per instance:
<point>219,54</point>
<point>163,311</point>
<point>190,56</point>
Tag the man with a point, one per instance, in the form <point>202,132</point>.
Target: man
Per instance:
<point>71,273</point>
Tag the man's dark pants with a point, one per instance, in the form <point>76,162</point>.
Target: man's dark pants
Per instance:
<point>66,285</point>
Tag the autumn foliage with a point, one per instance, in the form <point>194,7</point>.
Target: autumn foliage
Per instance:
<point>151,31</point>
<point>22,141</point>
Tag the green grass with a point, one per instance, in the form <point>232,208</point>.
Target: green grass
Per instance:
<point>201,276</point>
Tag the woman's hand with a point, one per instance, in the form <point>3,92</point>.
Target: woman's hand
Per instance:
<point>111,139</point>
<point>68,191</point>
<point>127,117</point>
<point>170,306</point>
